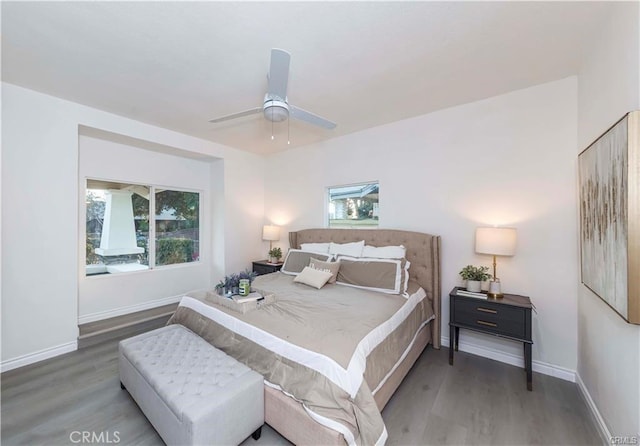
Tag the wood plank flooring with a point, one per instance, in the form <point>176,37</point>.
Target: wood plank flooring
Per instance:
<point>484,402</point>
<point>100,331</point>
<point>477,401</point>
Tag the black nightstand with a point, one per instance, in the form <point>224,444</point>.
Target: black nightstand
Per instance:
<point>264,267</point>
<point>508,317</point>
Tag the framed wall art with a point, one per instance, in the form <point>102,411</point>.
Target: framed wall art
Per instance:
<point>609,181</point>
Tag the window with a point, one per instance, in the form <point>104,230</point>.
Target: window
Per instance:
<point>119,226</point>
<point>353,205</point>
<point>177,227</point>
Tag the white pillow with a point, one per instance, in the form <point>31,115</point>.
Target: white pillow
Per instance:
<point>347,249</point>
<point>384,252</point>
<point>313,277</point>
<point>315,247</point>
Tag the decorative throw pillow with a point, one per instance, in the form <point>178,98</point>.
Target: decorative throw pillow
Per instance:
<point>297,259</point>
<point>316,247</point>
<point>389,276</point>
<point>347,249</point>
<point>331,267</point>
<point>313,277</point>
<point>384,252</point>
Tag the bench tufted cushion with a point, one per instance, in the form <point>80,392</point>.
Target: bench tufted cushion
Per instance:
<point>182,368</point>
<point>190,391</point>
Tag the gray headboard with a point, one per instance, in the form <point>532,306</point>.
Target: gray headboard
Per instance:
<point>423,251</point>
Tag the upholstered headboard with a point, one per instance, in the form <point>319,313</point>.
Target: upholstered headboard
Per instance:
<point>423,251</point>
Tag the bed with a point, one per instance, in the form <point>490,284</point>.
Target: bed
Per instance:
<point>355,367</point>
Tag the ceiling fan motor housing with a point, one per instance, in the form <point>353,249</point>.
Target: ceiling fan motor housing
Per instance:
<point>276,111</point>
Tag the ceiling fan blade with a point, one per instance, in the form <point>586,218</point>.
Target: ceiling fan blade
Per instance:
<point>279,73</point>
<point>309,117</point>
<point>237,115</point>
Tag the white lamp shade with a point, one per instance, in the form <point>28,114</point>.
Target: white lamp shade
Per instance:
<point>496,241</point>
<point>270,232</point>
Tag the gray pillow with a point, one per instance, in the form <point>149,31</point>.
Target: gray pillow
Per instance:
<point>331,267</point>
<point>384,275</point>
<point>298,259</point>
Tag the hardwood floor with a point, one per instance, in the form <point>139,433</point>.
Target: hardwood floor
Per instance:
<point>96,332</point>
<point>477,401</point>
<point>485,402</point>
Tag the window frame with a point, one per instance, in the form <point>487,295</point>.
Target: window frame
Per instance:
<point>151,243</point>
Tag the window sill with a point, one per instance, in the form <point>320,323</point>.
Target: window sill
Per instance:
<point>106,274</point>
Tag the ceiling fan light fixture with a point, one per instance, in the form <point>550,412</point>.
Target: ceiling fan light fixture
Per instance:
<point>275,106</point>
<point>276,111</point>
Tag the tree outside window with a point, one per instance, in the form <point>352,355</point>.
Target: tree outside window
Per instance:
<point>177,227</point>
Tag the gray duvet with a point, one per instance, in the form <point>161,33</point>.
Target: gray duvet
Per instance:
<point>327,348</point>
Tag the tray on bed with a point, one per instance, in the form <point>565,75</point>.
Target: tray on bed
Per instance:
<point>241,307</point>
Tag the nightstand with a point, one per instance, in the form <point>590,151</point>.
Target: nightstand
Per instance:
<point>508,317</point>
<point>264,267</point>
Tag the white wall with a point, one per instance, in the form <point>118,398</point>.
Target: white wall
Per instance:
<point>244,195</point>
<point>40,229</point>
<point>608,347</point>
<point>507,160</point>
<point>113,294</point>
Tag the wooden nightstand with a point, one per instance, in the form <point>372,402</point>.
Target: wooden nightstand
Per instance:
<point>508,317</point>
<point>264,267</point>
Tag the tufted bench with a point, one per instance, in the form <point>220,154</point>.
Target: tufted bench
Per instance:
<point>190,391</point>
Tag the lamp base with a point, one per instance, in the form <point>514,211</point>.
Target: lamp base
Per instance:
<point>494,289</point>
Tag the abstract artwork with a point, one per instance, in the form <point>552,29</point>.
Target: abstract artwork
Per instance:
<point>609,171</point>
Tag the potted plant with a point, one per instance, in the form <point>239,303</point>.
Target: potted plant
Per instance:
<point>275,254</point>
<point>231,283</point>
<point>474,275</point>
<point>247,274</point>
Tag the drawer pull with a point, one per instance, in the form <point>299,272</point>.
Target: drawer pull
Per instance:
<point>487,310</point>
<point>489,324</point>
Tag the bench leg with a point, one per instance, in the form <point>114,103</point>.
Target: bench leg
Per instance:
<point>257,433</point>
<point>122,386</point>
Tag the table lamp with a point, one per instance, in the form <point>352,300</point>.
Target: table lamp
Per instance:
<point>271,233</point>
<point>496,242</point>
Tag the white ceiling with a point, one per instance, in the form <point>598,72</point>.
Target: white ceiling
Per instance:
<point>176,64</point>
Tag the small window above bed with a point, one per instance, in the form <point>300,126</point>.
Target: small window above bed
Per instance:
<point>353,205</point>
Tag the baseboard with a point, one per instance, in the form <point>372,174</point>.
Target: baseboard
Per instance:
<point>604,431</point>
<point>518,361</point>
<point>41,355</point>
<point>93,317</point>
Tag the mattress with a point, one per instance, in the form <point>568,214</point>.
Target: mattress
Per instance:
<point>329,349</point>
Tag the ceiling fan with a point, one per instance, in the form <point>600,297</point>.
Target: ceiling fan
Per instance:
<point>276,107</point>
